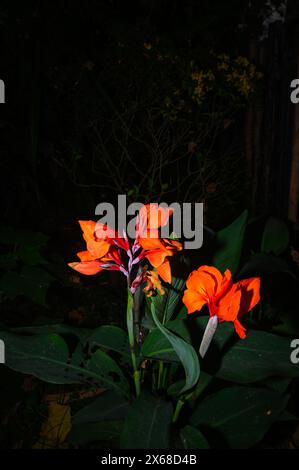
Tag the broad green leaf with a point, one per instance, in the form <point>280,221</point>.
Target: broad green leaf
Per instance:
<point>229,242</point>
<point>192,438</point>
<point>258,356</point>
<point>48,358</point>
<point>33,282</point>
<point>165,305</point>
<point>105,431</point>
<point>184,351</point>
<point>263,263</point>
<point>147,425</point>
<point>111,338</point>
<point>275,237</point>
<point>108,407</point>
<point>60,328</point>
<point>156,344</point>
<point>240,415</point>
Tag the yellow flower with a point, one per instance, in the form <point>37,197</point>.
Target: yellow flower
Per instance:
<point>147,45</point>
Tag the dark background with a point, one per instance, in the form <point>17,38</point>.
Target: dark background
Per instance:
<point>100,102</point>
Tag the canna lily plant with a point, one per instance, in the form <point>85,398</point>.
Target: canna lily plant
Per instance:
<point>226,301</point>
<point>193,360</point>
<point>106,250</point>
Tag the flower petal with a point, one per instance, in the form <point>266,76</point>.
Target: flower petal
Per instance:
<point>229,305</point>
<point>206,280</point>
<point>87,227</point>
<point>156,257</point>
<point>98,248</point>
<point>85,256</point>
<point>250,294</point>
<point>156,216</point>
<point>193,300</point>
<point>87,267</point>
<point>240,330</point>
<point>164,271</point>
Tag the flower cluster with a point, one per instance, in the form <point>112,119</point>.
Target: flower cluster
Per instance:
<point>107,250</point>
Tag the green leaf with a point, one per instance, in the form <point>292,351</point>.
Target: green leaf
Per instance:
<point>108,407</point>
<point>240,415</point>
<point>262,263</point>
<point>147,425</point>
<point>156,345</point>
<point>275,237</point>
<point>106,431</point>
<point>184,351</point>
<point>48,358</point>
<point>192,438</point>
<point>258,356</point>
<point>111,338</point>
<point>229,242</point>
<point>62,329</point>
<point>32,282</point>
<point>165,305</point>
<point>30,255</point>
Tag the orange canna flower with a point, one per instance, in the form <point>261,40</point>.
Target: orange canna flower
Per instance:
<point>225,299</point>
<point>102,253</point>
<point>157,251</point>
<point>150,218</point>
<point>105,249</point>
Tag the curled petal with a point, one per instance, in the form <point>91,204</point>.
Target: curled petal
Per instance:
<point>87,227</point>
<point>164,271</point>
<point>85,256</point>
<point>98,248</point>
<point>229,305</point>
<point>193,300</point>
<point>240,330</point>
<point>87,267</point>
<point>250,294</point>
<point>156,257</point>
<point>155,215</point>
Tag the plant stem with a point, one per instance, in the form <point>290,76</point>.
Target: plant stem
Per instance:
<point>160,374</point>
<point>177,410</point>
<point>130,327</point>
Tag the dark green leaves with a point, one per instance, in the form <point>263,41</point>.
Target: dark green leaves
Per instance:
<point>257,357</point>
<point>229,242</point>
<point>147,425</point>
<point>108,407</point>
<point>165,305</point>
<point>240,416</point>
<point>111,338</point>
<point>184,351</point>
<point>192,438</point>
<point>48,358</point>
<point>275,237</point>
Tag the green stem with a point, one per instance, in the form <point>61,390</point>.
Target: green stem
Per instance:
<point>179,406</point>
<point>130,327</point>
<point>160,374</point>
